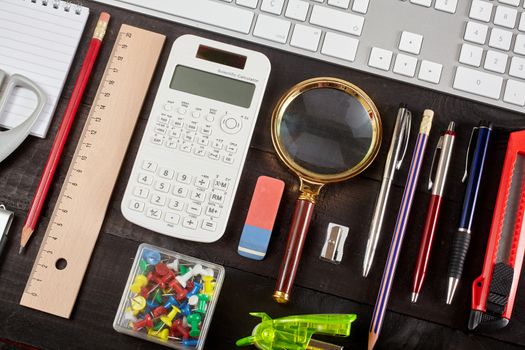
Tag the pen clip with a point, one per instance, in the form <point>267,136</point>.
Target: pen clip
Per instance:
<point>439,148</point>
<point>465,174</point>
<point>405,135</point>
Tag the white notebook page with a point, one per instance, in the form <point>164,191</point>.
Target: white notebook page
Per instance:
<point>38,39</point>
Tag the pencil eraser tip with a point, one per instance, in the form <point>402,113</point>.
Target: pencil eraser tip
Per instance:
<point>104,17</point>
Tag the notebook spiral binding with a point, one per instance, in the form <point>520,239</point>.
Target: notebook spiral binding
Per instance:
<point>67,5</point>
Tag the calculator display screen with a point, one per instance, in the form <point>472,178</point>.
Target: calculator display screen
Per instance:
<point>213,86</point>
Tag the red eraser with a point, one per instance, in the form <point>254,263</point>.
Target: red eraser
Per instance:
<point>265,202</point>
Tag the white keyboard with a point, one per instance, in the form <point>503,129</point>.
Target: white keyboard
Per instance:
<point>469,48</point>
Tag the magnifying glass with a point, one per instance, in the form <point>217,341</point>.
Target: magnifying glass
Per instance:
<point>325,130</point>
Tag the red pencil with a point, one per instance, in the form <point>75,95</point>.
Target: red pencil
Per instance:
<point>63,131</point>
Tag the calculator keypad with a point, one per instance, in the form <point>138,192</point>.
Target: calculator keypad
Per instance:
<point>190,131</point>
<point>178,197</point>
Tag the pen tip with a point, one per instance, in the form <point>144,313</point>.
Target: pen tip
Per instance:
<point>21,250</point>
<point>414,297</point>
<point>451,290</point>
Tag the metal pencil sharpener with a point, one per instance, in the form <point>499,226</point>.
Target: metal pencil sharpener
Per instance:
<point>334,243</point>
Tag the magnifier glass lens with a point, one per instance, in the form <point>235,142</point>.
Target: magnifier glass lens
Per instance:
<point>326,131</point>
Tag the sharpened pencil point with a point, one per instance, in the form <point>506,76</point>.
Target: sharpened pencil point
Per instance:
<point>414,297</point>
<point>21,250</point>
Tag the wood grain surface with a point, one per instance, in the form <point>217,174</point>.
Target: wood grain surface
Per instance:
<point>320,287</point>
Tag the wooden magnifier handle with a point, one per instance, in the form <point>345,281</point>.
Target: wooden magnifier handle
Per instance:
<point>294,248</point>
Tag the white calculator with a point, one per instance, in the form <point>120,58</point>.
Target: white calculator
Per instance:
<point>192,153</point>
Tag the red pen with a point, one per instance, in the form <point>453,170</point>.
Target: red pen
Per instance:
<point>445,145</point>
<point>63,131</point>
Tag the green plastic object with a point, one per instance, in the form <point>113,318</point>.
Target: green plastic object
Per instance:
<point>295,332</point>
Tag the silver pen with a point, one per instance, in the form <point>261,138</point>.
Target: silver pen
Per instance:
<point>396,154</point>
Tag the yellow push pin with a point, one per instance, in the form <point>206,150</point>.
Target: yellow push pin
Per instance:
<point>167,319</point>
<point>162,335</point>
<point>138,303</point>
<point>140,281</point>
<point>209,287</point>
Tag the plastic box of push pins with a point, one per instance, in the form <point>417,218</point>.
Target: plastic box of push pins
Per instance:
<point>169,298</point>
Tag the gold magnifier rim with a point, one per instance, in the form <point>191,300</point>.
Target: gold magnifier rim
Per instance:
<point>334,83</point>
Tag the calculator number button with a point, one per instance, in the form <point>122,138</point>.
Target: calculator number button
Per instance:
<point>162,186</point>
<point>176,204</point>
<point>141,192</point>
<point>136,205</point>
<point>158,199</point>
<point>149,166</point>
<point>180,191</point>
<point>184,178</point>
<point>145,179</point>
<point>166,173</point>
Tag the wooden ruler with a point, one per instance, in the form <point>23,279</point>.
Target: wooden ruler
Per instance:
<point>81,206</point>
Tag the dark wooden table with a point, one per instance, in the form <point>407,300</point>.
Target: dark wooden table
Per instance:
<point>320,287</point>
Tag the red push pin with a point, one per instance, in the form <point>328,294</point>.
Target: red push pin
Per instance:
<point>147,321</point>
<point>158,311</point>
<point>161,269</point>
<point>180,292</point>
<point>179,329</point>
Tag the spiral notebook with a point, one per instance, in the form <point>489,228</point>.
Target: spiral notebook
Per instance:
<point>38,39</point>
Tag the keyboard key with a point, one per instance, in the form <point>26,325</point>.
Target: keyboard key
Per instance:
<point>510,2</point>
<point>176,132</point>
<point>217,197</point>
<point>209,225</point>
<point>305,37</point>
<point>203,141</point>
<point>337,20</point>
<point>360,6</point>
<point>500,39</point>
<point>154,213</point>
<point>145,179</point>
<point>496,61</point>
<point>297,9</point>
<point>190,223</point>
<point>186,146</point>
<point>136,205</point>
<point>425,3</point>
<point>171,143</point>
<point>176,204</point>
<point>232,148</point>
<point>477,82</point>
<point>158,199</point>
<point>180,191</point>
<point>157,139</point>
<point>172,218</point>
<point>410,42</point>
<point>194,209</point>
<point>481,10</point>
<point>505,16</point>
<point>215,155</point>
<point>183,178</point>
<point>198,195</point>
<point>166,173</point>
<point>449,6</point>
<point>200,152</point>
<point>380,58</point>
<point>217,144</point>
<point>272,28</point>
<point>517,67</point>
<point>213,13</point>
<point>162,186</point>
<point>220,184</point>
<point>519,45</point>
<point>141,192</point>
<point>405,65</point>
<point>471,55</point>
<point>228,159</point>
<point>339,3</point>
<point>248,3</point>
<point>430,71</point>
<point>515,92</point>
<point>340,46</point>
<point>272,6</point>
<point>202,182</point>
<point>522,22</point>
<point>149,166</point>
<point>476,33</point>
<point>213,211</point>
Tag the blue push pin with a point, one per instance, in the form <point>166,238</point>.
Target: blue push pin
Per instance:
<point>151,256</point>
<point>196,289</point>
<point>190,342</point>
<point>171,302</point>
<point>185,309</point>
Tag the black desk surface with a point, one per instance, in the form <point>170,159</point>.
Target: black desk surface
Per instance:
<point>320,287</point>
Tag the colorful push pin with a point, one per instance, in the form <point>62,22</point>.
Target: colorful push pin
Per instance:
<point>180,292</point>
<point>138,303</point>
<point>151,304</point>
<point>174,265</point>
<point>167,319</point>
<point>208,285</point>
<point>196,289</point>
<point>185,309</point>
<point>193,320</point>
<point>130,316</point>
<point>193,300</point>
<point>162,335</point>
<point>158,325</point>
<point>183,269</point>
<point>171,303</point>
<point>183,279</point>
<point>161,269</point>
<point>152,257</point>
<point>178,328</point>
<point>147,322</point>
<point>140,282</point>
<point>201,305</point>
<point>190,342</point>
<point>159,311</point>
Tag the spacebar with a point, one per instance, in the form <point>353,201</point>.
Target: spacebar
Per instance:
<point>204,11</point>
